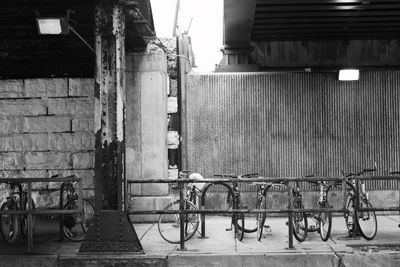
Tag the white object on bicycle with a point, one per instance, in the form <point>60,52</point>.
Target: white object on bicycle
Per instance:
<point>197,176</point>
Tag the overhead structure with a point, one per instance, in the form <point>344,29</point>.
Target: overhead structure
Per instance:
<point>304,21</point>
<point>24,53</point>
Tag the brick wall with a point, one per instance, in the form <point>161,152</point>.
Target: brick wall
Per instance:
<point>46,128</point>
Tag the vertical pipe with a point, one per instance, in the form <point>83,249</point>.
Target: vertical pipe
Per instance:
<point>30,225</point>
<point>119,33</point>
<point>290,216</point>
<point>344,189</point>
<point>61,216</point>
<point>181,216</point>
<point>80,200</point>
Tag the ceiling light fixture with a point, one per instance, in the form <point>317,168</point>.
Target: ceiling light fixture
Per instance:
<point>349,75</point>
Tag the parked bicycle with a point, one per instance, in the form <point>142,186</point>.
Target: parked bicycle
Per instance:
<point>234,202</point>
<point>300,224</point>
<point>169,225</point>
<point>398,182</point>
<point>15,226</point>
<point>321,221</point>
<point>76,225</point>
<point>261,203</point>
<point>358,222</point>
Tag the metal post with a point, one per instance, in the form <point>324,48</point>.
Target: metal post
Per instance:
<point>181,215</point>
<point>61,216</point>
<point>290,216</point>
<point>110,137</point>
<point>30,224</point>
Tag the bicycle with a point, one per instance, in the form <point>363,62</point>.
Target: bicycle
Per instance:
<point>321,220</point>
<point>299,221</point>
<point>169,225</point>
<point>398,182</point>
<point>13,226</point>
<point>359,222</point>
<point>75,226</point>
<point>261,203</point>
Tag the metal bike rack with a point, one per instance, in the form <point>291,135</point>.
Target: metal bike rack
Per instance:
<point>30,213</point>
<point>225,181</point>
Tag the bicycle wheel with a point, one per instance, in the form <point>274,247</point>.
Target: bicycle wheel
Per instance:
<point>300,226</point>
<point>349,215</point>
<point>76,225</point>
<point>25,220</point>
<point>261,216</point>
<point>325,223</point>
<point>169,225</point>
<point>9,223</point>
<point>366,220</point>
<point>239,226</point>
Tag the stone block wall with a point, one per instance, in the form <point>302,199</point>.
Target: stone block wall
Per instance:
<point>173,111</point>
<point>46,128</point>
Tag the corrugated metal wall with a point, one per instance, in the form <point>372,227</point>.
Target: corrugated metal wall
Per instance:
<point>292,124</point>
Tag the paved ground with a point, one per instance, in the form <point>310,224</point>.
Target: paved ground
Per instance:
<point>220,248</point>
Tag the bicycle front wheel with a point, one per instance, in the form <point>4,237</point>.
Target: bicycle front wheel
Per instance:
<point>261,216</point>
<point>325,223</point>
<point>76,225</point>
<point>25,220</point>
<point>9,223</point>
<point>300,226</point>
<point>239,227</point>
<point>366,220</point>
<point>169,225</point>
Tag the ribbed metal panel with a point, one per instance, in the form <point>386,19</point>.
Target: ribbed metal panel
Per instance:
<point>293,124</point>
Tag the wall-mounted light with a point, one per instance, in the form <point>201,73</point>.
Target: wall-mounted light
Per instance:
<point>349,75</point>
<point>58,26</point>
<point>54,25</point>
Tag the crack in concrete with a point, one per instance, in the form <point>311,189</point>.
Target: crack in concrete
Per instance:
<point>340,258</point>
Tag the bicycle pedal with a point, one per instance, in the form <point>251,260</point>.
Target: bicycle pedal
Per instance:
<point>228,229</point>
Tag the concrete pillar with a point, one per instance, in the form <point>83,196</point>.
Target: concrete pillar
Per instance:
<point>146,129</point>
<point>146,126</point>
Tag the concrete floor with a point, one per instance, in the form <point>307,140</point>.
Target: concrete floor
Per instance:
<point>220,248</point>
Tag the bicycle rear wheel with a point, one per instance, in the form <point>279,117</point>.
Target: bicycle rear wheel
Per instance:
<point>9,223</point>
<point>350,215</point>
<point>325,223</point>
<point>261,216</point>
<point>76,225</point>
<point>169,225</point>
<point>366,220</point>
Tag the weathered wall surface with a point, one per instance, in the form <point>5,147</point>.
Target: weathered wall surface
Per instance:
<point>46,128</point>
<point>293,124</point>
<point>326,54</point>
<point>146,124</point>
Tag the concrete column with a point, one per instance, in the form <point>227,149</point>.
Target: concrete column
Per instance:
<point>146,126</point>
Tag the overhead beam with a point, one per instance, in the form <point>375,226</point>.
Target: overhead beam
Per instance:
<point>325,7</point>
<point>238,21</point>
<point>308,2</point>
<point>366,13</point>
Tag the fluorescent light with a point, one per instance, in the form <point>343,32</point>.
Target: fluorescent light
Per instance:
<point>52,25</point>
<point>349,75</point>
